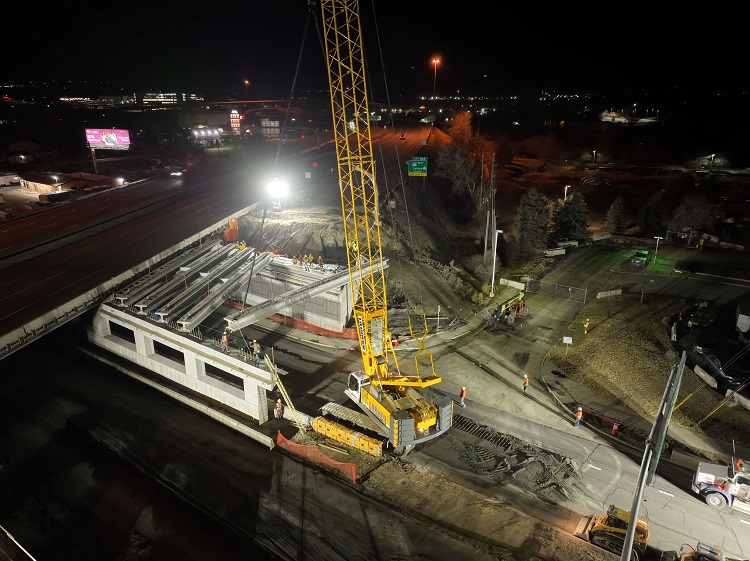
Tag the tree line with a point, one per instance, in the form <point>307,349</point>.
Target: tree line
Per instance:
<point>540,222</point>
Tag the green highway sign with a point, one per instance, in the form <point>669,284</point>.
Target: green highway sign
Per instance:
<point>418,166</point>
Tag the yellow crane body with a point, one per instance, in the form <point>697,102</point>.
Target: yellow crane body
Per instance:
<point>386,394</point>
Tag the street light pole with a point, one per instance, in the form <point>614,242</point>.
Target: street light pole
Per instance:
<point>657,238</point>
<point>712,161</point>
<point>593,160</point>
<point>435,62</point>
<point>566,193</point>
<point>494,258</point>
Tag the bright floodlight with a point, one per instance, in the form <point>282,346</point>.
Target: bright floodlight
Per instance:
<point>277,188</point>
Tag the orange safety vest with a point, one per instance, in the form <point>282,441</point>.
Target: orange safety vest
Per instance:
<point>463,393</point>
<point>579,415</point>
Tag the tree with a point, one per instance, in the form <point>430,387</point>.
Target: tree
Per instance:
<point>570,218</point>
<point>694,212</point>
<point>631,115</point>
<point>615,218</point>
<point>531,223</point>
<point>460,130</point>
<point>457,167</point>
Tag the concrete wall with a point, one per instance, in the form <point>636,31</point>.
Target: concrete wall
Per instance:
<point>196,372</point>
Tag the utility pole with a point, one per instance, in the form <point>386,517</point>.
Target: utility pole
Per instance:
<point>491,225</point>
<point>652,451</point>
<point>93,159</point>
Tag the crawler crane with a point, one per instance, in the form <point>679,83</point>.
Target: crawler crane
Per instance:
<point>392,399</point>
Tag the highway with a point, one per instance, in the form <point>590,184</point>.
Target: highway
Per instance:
<point>109,233</point>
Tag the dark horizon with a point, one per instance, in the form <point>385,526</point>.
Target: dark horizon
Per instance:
<point>482,51</point>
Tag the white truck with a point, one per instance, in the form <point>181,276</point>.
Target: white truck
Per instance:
<point>723,486</point>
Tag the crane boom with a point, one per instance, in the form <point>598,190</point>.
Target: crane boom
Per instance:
<point>388,395</point>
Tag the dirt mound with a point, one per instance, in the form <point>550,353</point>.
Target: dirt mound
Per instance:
<point>627,355</point>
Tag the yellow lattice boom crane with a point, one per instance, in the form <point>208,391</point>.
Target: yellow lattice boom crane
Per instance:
<point>393,399</point>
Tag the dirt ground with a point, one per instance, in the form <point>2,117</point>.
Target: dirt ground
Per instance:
<point>627,355</point>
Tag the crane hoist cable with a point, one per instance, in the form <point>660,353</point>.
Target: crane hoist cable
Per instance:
<point>310,14</point>
<point>400,182</point>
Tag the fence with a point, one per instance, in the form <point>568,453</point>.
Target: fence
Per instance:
<point>557,290</point>
<point>348,470</point>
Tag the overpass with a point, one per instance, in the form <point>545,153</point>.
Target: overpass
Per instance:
<point>154,314</point>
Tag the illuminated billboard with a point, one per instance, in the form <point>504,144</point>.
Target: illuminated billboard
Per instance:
<point>109,139</point>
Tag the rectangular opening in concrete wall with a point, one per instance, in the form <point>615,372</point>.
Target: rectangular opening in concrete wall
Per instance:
<point>122,332</point>
<point>222,376</point>
<point>168,352</point>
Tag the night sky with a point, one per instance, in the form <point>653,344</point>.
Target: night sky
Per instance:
<point>486,48</point>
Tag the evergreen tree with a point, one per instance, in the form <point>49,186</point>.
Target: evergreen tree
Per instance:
<point>615,219</point>
<point>570,219</point>
<point>531,223</point>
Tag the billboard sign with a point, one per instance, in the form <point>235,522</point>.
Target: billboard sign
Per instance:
<point>109,139</point>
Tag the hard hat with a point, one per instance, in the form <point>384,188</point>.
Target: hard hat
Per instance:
<point>463,388</point>
<point>587,319</point>
<point>278,401</point>
<point>580,408</point>
<point>254,341</point>
<point>525,375</point>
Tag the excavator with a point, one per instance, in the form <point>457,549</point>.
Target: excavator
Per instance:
<point>394,401</point>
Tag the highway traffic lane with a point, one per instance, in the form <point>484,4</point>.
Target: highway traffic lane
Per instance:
<point>32,288</point>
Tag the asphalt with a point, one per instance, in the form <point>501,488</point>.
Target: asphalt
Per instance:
<point>600,413</point>
<point>559,393</point>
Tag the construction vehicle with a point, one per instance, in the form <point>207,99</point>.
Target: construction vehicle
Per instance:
<point>608,531</point>
<point>701,552</point>
<point>723,486</point>
<point>508,311</point>
<point>391,398</point>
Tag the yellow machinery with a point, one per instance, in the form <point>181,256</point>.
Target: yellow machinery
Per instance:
<point>391,398</point>
<point>608,532</point>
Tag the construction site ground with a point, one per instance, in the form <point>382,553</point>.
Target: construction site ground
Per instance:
<point>436,264</point>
